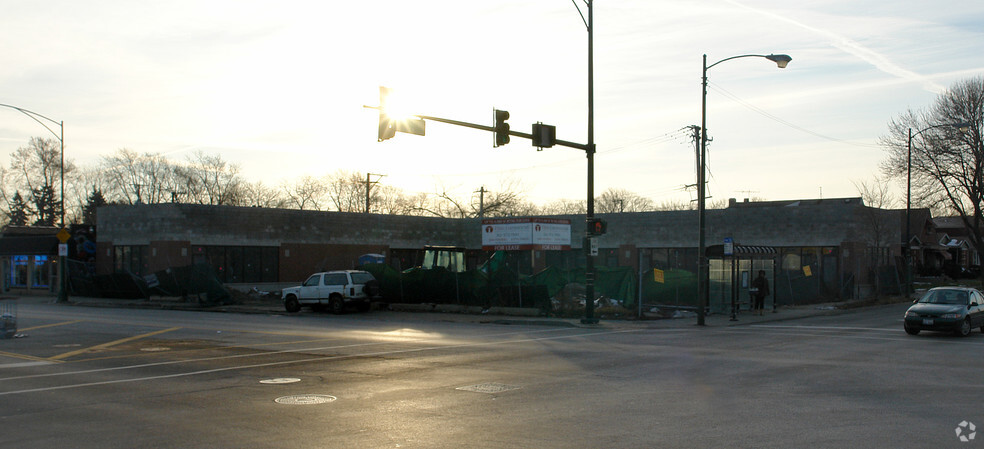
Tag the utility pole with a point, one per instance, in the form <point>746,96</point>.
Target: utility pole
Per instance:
<point>369,183</point>
<point>481,202</point>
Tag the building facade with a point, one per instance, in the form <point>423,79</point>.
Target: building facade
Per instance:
<point>829,248</point>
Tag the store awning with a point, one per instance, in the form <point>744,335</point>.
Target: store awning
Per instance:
<point>743,251</point>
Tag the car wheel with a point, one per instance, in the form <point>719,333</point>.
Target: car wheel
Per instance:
<point>291,304</point>
<point>911,331</point>
<point>964,328</point>
<point>335,305</point>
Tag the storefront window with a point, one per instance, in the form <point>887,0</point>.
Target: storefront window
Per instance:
<point>238,264</point>
<point>791,259</point>
<point>131,258</point>
<point>18,271</point>
<point>40,272</point>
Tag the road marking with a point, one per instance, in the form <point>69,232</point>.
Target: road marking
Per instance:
<point>25,329</point>
<point>838,328</point>
<point>110,344</point>
<point>308,360</point>
<point>25,364</point>
<point>253,354</point>
<point>23,357</point>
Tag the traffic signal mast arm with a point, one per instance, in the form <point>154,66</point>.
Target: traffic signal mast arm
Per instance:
<point>563,143</point>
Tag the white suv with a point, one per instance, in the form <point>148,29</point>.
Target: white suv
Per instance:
<point>335,289</point>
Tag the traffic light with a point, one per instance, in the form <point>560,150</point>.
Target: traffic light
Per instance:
<point>387,127</point>
<point>501,128</point>
<point>597,226</point>
<point>544,136</point>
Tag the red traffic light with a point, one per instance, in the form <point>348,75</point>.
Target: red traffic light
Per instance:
<point>597,226</point>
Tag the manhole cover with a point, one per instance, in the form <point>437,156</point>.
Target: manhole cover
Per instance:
<point>491,387</point>
<point>305,399</point>
<point>280,380</point>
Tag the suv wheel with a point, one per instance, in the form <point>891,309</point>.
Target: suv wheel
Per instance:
<point>292,304</point>
<point>335,305</point>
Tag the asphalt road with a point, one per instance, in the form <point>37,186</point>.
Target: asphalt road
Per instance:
<point>115,378</point>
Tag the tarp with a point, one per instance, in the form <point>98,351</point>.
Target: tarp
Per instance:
<point>495,283</point>
<point>192,280</point>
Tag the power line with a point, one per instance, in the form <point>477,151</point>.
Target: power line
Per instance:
<point>787,123</point>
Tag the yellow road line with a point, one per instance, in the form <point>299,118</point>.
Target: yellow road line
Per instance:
<point>110,344</point>
<point>47,325</point>
<point>22,356</point>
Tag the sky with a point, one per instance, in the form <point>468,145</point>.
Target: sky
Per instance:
<point>278,88</point>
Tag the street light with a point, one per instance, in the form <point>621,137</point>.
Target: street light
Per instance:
<point>781,61</point>
<point>60,135</point>
<point>907,248</point>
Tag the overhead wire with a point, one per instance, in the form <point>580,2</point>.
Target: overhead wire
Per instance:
<point>787,123</point>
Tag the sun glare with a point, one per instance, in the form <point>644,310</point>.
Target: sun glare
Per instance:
<point>395,105</point>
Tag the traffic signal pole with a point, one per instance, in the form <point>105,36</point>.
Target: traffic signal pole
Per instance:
<point>589,272</point>
<point>386,132</point>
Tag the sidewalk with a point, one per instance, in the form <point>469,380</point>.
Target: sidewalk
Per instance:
<point>507,316</point>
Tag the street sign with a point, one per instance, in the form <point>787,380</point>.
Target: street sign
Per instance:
<point>658,276</point>
<point>729,246</point>
<point>63,235</point>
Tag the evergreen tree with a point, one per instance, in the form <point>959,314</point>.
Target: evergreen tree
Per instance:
<point>95,200</point>
<point>46,205</point>
<point>19,210</point>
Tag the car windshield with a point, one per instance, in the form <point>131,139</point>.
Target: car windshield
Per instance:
<point>955,297</point>
<point>361,278</point>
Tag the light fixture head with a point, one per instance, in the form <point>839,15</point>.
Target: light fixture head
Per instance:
<point>781,60</point>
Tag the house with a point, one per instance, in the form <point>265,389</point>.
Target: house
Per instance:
<point>955,252</point>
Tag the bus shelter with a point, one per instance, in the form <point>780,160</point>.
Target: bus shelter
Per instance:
<point>731,271</point>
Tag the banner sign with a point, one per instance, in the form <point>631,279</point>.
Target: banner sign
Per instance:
<point>513,234</point>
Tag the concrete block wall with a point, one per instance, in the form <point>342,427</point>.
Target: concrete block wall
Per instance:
<point>331,240</point>
<point>242,226</point>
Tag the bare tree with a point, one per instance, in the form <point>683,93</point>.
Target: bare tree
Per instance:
<point>508,200</point>
<point>347,191</point>
<point>306,193</point>
<point>947,164</point>
<point>565,207</point>
<point>391,200</point>
<point>148,178</point>
<point>677,205</point>
<point>37,168</point>
<point>881,229</point>
<point>620,200</point>
<point>210,179</point>
<point>255,194</point>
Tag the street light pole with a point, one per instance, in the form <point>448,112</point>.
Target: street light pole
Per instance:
<point>907,248</point>
<point>589,272</point>
<point>702,262</point>
<point>62,266</point>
